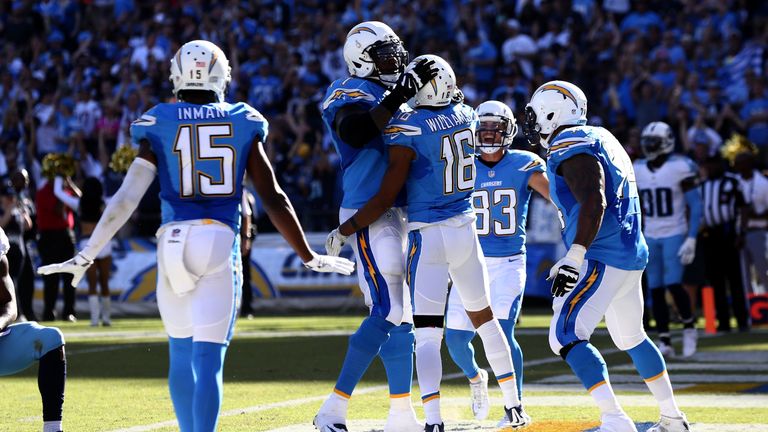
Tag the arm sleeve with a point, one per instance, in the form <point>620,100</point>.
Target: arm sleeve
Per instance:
<point>138,179</point>
<point>693,200</point>
<point>68,200</point>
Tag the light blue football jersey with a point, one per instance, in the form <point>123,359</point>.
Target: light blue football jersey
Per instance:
<point>620,242</point>
<point>501,200</point>
<point>202,152</point>
<point>442,174</point>
<point>362,168</point>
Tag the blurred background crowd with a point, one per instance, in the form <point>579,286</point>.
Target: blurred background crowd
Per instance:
<point>74,74</point>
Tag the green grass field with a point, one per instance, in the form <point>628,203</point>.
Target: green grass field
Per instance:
<point>279,369</point>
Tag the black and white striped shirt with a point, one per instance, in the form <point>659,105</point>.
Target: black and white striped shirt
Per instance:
<point>721,200</point>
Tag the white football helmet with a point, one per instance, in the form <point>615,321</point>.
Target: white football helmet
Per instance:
<point>373,50</point>
<point>200,65</point>
<point>657,139</point>
<point>497,128</point>
<point>439,91</point>
<point>554,104</point>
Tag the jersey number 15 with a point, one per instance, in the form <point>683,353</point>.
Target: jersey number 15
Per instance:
<point>203,139</point>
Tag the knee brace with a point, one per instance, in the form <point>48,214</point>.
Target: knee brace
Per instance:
<point>426,321</point>
<point>428,336</point>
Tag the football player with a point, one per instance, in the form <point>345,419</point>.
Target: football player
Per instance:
<point>200,147</point>
<point>503,187</point>
<point>592,183</point>
<point>668,185</point>
<point>22,344</point>
<point>355,110</point>
<point>430,153</point>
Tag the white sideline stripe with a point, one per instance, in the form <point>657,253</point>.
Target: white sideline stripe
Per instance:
<point>645,400</point>
<point>678,377</point>
<point>258,334</point>
<point>743,367</point>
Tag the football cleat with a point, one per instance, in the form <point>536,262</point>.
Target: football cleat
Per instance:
<point>480,403</point>
<point>434,428</point>
<point>690,338</point>
<point>617,423</point>
<point>326,424</point>
<point>668,351</point>
<point>514,418</point>
<point>403,421</point>
<point>671,424</point>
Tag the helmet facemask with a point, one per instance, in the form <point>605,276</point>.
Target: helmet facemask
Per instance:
<point>389,59</point>
<point>494,133</point>
<point>531,128</point>
<point>652,146</point>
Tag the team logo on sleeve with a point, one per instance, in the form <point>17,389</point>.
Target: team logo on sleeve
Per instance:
<point>396,129</point>
<point>254,116</point>
<point>532,164</point>
<point>349,93</point>
<point>145,120</point>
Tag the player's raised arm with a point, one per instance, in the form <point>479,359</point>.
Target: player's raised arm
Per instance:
<point>357,126</point>
<point>397,173</point>
<point>120,208</point>
<point>280,211</point>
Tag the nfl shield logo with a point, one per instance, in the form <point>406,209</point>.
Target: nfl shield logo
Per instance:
<point>491,174</point>
<point>200,64</point>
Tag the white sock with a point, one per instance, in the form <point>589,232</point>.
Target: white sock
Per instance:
<point>106,308</point>
<point>661,388</point>
<point>500,358</point>
<point>93,303</point>
<point>336,407</point>
<point>402,403</point>
<point>52,426</point>
<point>429,370</point>
<point>606,399</point>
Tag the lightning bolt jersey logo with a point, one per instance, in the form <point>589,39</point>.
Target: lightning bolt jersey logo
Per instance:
<point>393,130</point>
<point>347,93</point>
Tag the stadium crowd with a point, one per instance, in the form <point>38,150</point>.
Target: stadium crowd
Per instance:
<point>74,74</point>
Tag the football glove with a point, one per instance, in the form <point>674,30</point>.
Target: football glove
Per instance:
<point>413,79</point>
<point>76,266</point>
<point>328,264</point>
<point>687,251</point>
<point>458,96</point>
<point>334,242</point>
<point>565,273</point>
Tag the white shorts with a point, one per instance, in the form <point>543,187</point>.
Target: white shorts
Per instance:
<point>380,254</point>
<point>211,259</point>
<point>507,284</point>
<point>449,248</point>
<point>103,253</point>
<point>601,291</point>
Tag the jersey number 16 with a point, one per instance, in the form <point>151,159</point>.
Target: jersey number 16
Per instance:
<point>459,173</point>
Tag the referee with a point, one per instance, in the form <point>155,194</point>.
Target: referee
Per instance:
<point>722,201</point>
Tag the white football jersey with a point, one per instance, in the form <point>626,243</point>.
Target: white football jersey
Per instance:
<point>662,195</point>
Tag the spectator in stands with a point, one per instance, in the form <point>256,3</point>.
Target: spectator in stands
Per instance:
<point>754,116</point>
